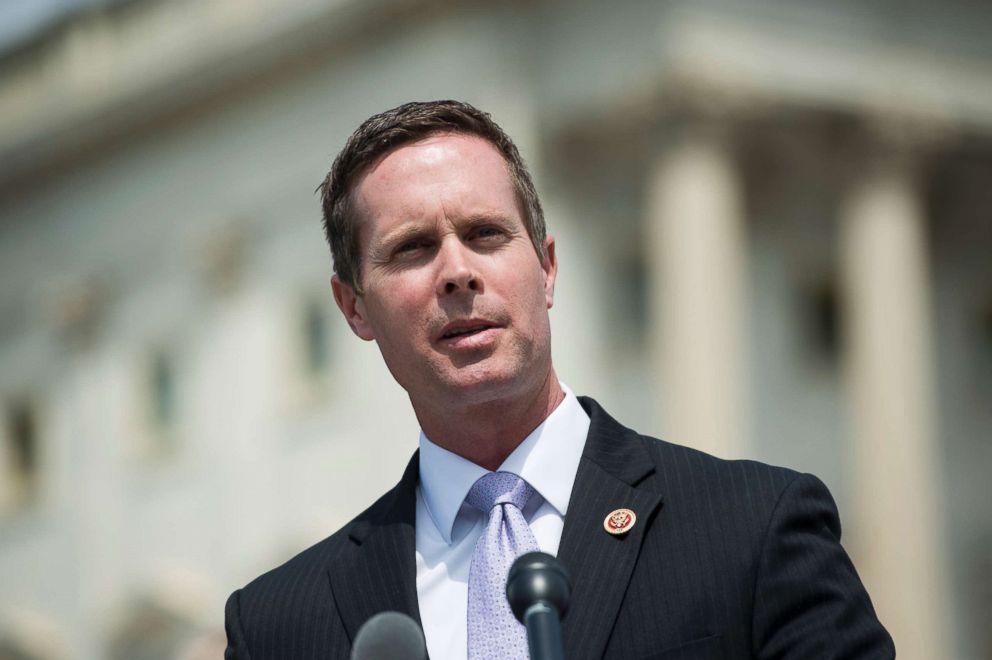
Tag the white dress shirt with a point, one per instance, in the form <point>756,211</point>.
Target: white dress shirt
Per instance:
<point>447,528</point>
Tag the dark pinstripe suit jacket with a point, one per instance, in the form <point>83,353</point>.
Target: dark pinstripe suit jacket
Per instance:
<point>728,559</point>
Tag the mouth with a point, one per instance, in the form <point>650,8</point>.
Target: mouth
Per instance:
<point>463,332</point>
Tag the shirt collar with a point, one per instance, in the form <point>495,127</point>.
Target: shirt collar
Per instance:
<point>547,459</point>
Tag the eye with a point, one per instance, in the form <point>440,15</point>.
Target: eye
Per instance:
<point>488,233</point>
<point>412,245</point>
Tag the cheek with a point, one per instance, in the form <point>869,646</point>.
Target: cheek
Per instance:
<point>535,302</point>
<point>398,317</point>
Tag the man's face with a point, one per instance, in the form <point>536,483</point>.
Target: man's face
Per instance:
<point>454,293</point>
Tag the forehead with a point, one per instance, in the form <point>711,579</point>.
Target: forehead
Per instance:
<point>453,170</point>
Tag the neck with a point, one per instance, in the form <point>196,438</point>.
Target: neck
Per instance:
<point>486,433</point>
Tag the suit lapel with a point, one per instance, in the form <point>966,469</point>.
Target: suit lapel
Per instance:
<point>378,571</point>
<point>613,462</point>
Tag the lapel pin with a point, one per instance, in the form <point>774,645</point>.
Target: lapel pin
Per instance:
<point>619,522</point>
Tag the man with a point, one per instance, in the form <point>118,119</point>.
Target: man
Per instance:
<point>441,257</point>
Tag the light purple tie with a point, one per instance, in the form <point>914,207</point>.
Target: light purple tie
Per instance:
<point>493,631</point>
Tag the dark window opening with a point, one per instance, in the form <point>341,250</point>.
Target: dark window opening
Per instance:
<point>22,436</point>
<point>630,300</point>
<point>822,321</point>
<point>316,338</point>
<point>163,391</point>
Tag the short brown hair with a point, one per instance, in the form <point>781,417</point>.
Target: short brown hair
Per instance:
<point>405,124</point>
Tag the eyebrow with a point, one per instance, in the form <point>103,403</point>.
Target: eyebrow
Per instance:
<point>488,219</point>
<point>395,237</point>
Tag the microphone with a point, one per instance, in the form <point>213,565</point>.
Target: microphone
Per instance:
<point>538,589</point>
<point>389,636</point>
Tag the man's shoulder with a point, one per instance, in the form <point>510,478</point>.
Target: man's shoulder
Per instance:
<point>684,469</point>
<point>730,473</point>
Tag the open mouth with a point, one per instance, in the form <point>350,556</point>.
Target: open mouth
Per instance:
<point>467,330</point>
<point>468,333</point>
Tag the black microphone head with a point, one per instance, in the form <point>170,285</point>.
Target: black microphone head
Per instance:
<point>537,577</point>
<point>389,636</point>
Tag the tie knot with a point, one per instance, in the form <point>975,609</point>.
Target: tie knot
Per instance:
<point>499,488</point>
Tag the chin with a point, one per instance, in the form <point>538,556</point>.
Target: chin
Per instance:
<point>486,385</point>
<point>467,383</point>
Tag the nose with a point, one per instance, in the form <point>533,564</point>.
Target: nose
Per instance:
<point>455,269</point>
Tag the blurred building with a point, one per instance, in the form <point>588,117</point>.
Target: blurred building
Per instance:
<point>774,223</point>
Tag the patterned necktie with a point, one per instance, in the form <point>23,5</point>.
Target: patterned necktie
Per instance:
<point>493,632</point>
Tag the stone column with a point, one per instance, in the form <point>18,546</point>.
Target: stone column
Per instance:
<point>889,375</point>
<point>696,265</point>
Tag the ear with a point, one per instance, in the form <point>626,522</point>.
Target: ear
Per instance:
<point>353,307</point>
<point>550,267</point>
